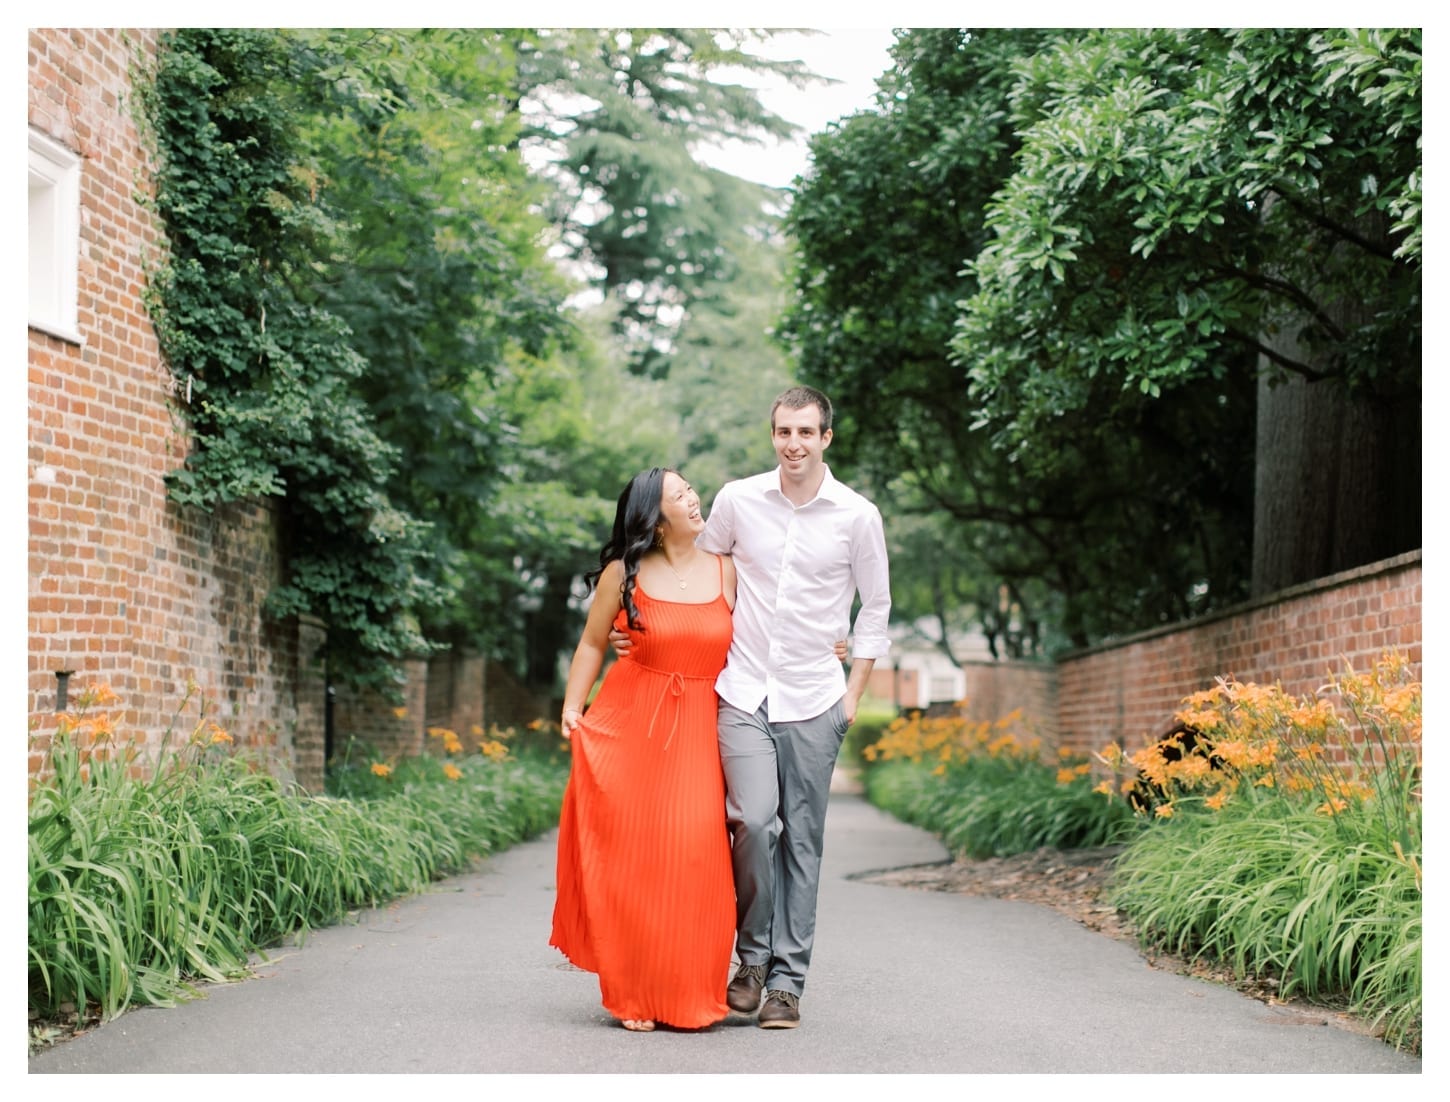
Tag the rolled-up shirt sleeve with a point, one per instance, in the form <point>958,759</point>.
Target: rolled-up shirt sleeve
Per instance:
<point>873,582</point>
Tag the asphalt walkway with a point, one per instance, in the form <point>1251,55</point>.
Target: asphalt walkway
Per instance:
<point>461,980</point>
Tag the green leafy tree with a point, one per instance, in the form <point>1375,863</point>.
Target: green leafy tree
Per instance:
<point>614,116</point>
<point>584,424</point>
<point>1017,273</point>
<point>444,284</point>
<point>1193,207</point>
<point>938,581</point>
<point>726,367</point>
<point>587,422</point>
<point>391,254</point>
<point>266,375</point>
<point>450,296</point>
<point>1103,528</point>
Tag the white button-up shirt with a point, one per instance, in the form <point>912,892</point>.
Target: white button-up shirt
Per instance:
<point>799,570</point>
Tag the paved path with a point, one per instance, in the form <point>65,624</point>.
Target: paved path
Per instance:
<point>461,980</point>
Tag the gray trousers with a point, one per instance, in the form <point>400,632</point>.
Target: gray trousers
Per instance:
<point>777,782</point>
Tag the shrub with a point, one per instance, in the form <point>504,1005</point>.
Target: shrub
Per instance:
<point>1300,856</point>
<point>1255,743</point>
<point>985,789</point>
<point>145,877</point>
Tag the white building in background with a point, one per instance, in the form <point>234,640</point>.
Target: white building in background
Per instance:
<point>918,673</point>
<point>918,676</point>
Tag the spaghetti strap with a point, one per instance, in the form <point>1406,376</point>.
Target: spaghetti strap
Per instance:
<point>720,563</point>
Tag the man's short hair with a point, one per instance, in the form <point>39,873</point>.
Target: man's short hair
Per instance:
<point>798,397</point>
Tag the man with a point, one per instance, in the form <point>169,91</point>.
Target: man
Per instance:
<point>803,546</point>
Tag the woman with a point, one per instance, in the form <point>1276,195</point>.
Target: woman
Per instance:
<point>645,893</point>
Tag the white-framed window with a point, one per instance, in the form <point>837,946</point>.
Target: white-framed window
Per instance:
<point>55,218</point>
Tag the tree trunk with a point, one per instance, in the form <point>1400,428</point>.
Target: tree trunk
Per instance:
<point>1336,472</point>
<point>1336,482</point>
<point>548,636</point>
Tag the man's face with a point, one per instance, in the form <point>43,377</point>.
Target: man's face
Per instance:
<point>799,443</point>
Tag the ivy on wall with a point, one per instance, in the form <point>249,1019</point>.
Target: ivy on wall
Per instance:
<point>268,375</point>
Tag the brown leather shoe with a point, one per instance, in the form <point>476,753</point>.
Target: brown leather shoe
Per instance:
<point>781,1010</point>
<point>743,994</point>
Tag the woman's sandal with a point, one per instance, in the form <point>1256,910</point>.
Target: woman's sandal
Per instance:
<point>637,1025</point>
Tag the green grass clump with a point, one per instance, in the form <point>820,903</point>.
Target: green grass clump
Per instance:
<point>146,877</point>
<point>1275,890</point>
<point>1298,855</point>
<point>985,790</point>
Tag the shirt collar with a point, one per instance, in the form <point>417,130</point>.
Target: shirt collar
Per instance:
<point>830,489</point>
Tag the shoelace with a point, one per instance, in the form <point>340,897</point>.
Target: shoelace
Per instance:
<point>754,971</point>
<point>786,997</point>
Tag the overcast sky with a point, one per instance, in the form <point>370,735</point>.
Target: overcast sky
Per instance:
<point>854,57</point>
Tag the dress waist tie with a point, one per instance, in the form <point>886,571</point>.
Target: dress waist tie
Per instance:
<point>674,687</point>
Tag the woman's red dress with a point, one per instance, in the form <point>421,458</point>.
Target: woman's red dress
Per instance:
<point>645,896</point>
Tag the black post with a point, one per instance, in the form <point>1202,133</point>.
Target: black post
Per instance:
<point>327,697</point>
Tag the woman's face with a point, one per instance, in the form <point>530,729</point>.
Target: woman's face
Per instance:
<point>680,507</point>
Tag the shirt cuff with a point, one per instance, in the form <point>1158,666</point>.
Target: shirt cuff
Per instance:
<point>869,647</point>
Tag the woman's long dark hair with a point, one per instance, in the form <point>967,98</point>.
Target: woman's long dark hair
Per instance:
<point>636,518</point>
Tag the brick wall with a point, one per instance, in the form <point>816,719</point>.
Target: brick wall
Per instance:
<point>365,720</point>
<point>889,682</point>
<point>125,587</point>
<point>507,703</point>
<point>996,688</point>
<point>456,694</point>
<point>1129,690</point>
<point>460,691</point>
<point>993,689</point>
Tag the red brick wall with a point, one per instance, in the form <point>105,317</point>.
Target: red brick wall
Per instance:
<point>125,587</point>
<point>507,703</point>
<point>462,692</point>
<point>1128,691</point>
<point>363,721</point>
<point>899,686</point>
<point>993,690</point>
<point>996,688</point>
<point>456,695</point>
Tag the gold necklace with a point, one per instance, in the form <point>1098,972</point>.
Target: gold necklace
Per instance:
<point>683,584</point>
